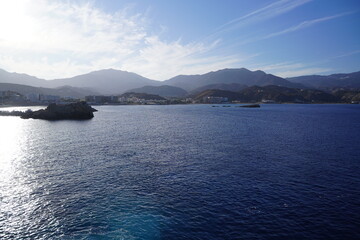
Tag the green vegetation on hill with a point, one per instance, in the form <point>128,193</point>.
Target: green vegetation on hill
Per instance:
<point>234,87</point>
<point>347,96</point>
<point>283,94</point>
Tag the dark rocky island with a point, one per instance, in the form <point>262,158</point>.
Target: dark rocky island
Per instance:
<point>75,111</point>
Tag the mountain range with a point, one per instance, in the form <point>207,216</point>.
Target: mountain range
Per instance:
<point>115,82</point>
<point>349,81</point>
<point>64,91</point>
<point>228,76</point>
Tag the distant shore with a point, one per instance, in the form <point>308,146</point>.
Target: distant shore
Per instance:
<point>210,104</point>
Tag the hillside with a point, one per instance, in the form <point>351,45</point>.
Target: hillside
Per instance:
<point>220,86</point>
<point>347,96</point>
<point>142,96</point>
<point>271,92</point>
<point>283,94</point>
<point>232,96</point>
<point>107,81</point>
<point>114,82</point>
<point>228,76</point>
<point>23,79</point>
<point>65,91</point>
<point>345,80</point>
<point>163,91</point>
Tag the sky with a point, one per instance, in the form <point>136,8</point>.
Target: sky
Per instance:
<point>160,39</point>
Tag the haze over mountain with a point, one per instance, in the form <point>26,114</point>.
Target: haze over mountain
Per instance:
<point>341,80</point>
<point>108,81</point>
<point>64,91</point>
<point>240,76</point>
<point>20,78</point>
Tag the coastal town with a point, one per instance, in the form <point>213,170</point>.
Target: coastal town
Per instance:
<point>16,99</point>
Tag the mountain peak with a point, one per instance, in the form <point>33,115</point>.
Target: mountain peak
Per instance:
<point>241,76</point>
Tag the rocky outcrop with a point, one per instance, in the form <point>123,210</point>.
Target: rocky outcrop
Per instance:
<point>250,106</point>
<point>76,111</point>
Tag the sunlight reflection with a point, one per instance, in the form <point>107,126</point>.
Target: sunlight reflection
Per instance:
<point>10,147</point>
<point>16,205</point>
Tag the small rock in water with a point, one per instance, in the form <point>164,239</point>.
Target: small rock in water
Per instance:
<point>251,106</point>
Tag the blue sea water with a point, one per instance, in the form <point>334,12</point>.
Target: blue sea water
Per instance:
<point>183,172</point>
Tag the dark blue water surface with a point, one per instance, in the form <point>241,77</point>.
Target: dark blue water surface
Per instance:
<point>183,172</point>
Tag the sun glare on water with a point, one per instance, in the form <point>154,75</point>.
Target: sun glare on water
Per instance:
<point>10,144</point>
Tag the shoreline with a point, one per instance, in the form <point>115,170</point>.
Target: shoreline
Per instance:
<point>45,105</point>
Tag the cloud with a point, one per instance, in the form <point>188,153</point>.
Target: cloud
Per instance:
<point>262,14</point>
<point>291,69</point>
<point>303,72</point>
<point>347,54</point>
<point>54,26</point>
<point>159,57</point>
<point>55,39</point>
<point>305,24</point>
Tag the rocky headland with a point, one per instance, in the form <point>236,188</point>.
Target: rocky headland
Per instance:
<point>76,111</point>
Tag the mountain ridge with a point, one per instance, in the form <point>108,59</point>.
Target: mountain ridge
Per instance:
<point>337,80</point>
<point>64,91</point>
<point>228,76</point>
<point>112,81</point>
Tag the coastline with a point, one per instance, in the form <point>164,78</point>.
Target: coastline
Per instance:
<point>225,103</point>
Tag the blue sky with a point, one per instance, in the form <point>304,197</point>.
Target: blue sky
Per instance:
<point>161,39</point>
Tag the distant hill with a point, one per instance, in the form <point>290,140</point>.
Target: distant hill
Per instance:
<point>23,79</point>
<point>227,76</point>
<point>163,91</point>
<point>271,92</point>
<point>283,94</point>
<point>142,96</point>
<point>347,96</point>
<point>220,86</point>
<point>114,82</point>
<point>107,81</point>
<point>345,80</point>
<point>65,91</point>
<point>232,96</point>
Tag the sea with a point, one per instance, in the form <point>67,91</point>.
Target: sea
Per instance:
<point>281,171</point>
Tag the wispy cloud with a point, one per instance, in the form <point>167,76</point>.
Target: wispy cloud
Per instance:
<point>53,39</point>
<point>262,14</point>
<point>291,69</point>
<point>305,24</point>
<point>347,54</point>
<point>303,72</point>
<point>159,57</point>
